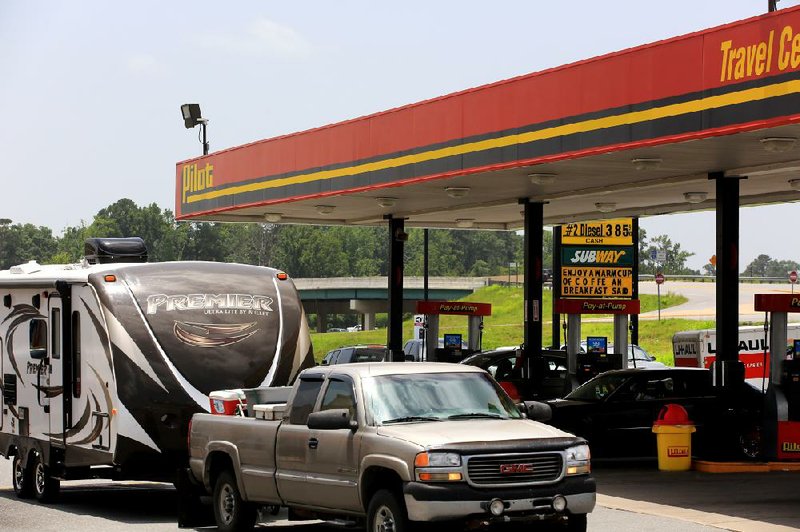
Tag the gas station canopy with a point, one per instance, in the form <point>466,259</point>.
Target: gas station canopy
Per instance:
<point>633,133</point>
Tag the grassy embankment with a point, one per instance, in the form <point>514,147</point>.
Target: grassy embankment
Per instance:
<point>504,326</point>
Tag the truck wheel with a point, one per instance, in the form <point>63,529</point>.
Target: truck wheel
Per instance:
<point>231,512</point>
<point>21,479</point>
<point>386,513</point>
<point>45,487</point>
<point>576,523</point>
<point>750,443</point>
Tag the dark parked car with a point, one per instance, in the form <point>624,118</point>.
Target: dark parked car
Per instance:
<point>615,412</point>
<point>355,353</point>
<point>505,365</point>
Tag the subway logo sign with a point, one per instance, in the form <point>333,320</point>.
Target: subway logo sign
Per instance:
<point>596,256</point>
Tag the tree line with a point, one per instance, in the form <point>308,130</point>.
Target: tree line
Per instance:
<point>315,251</point>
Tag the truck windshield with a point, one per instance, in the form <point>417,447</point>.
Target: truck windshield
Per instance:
<point>423,397</point>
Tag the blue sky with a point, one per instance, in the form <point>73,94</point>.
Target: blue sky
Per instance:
<point>91,90</point>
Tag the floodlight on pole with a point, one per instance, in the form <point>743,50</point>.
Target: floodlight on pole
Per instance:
<point>191,117</point>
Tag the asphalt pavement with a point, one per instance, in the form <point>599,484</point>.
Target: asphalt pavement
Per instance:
<point>631,496</point>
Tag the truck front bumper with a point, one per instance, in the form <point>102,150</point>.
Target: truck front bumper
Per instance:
<point>439,502</point>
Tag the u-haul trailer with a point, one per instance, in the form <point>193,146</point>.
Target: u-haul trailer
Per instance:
<point>104,363</point>
<point>698,349</point>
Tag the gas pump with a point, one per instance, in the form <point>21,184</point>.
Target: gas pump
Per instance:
<point>583,366</point>
<point>453,349</point>
<point>782,402</point>
<point>596,359</point>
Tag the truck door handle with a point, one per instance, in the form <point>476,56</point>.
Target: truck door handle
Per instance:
<point>312,443</point>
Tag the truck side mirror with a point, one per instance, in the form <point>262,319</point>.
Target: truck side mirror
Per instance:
<point>536,410</point>
<point>334,419</point>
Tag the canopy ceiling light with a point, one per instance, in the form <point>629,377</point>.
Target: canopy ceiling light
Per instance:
<point>457,192</point>
<point>386,202</point>
<point>794,183</point>
<point>606,206</point>
<point>325,209</point>
<point>646,163</point>
<point>273,217</point>
<point>465,222</point>
<point>542,179</point>
<point>778,144</point>
<point>695,197</point>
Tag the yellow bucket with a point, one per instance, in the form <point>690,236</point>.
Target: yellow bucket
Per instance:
<point>674,447</point>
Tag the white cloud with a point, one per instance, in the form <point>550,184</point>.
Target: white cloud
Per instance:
<point>144,65</point>
<point>263,37</point>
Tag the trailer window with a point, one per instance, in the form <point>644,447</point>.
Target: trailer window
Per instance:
<point>38,338</point>
<point>304,401</point>
<point>55,332</point>
<point>76,354</point>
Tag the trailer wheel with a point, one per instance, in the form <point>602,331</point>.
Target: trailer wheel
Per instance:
<point>21,478</point>
<point>45,487</point>
<point>386,513</point>
<point>232,513</point>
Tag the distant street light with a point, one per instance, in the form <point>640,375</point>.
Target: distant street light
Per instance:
<point>192,117</point>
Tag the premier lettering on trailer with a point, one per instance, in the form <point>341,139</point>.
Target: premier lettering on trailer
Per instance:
<point>211,303</point>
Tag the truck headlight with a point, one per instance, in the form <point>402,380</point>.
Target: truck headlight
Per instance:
<point>438,467</point>
<point>578,460</point>
<point>438,460</point>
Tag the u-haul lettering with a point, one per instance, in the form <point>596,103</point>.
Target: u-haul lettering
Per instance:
<point>677,452</point>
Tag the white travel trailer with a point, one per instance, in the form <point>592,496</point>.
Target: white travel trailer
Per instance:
<point>103,363</point>
<point>698,349</point>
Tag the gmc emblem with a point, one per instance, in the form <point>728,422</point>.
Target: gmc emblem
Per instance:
<point>513,469</point>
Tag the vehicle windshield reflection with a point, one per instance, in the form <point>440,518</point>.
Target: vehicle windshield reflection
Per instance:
<point>599,388</point>
<point>435,396</point>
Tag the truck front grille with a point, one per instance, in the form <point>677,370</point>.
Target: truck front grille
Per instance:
<point>514,469</point>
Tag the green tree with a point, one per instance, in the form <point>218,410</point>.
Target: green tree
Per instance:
<point>21,243</point>
<point>758,267</point>
<point>676,257</point>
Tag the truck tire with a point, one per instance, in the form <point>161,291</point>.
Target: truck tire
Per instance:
<point>386,513</point>
<point>21,479</point>
<point>231,512</point>
<point>45,487</point>
<point>577,523</point>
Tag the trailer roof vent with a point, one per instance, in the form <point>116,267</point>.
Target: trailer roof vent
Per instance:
<point>111,250</point>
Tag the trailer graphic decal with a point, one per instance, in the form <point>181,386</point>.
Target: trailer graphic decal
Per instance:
<point>101,333</point>
<point>49,391</point>
<point>213,334</point>
<point>21,314</point>
<point>98,425</point>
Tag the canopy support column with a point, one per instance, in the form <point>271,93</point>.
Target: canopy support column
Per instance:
<point>397,238</point>
<point>729,371</point>
<point>534,224</point>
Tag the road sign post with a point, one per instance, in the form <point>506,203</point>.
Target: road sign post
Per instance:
<point>793,278</point>
<point>659,281</point>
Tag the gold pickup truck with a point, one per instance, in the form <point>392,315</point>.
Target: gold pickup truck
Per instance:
<point>392,446</point>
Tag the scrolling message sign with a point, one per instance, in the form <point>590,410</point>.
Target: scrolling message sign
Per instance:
<point>597,259</point>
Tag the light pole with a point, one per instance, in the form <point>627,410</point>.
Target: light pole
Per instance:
<point>192,117</point>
